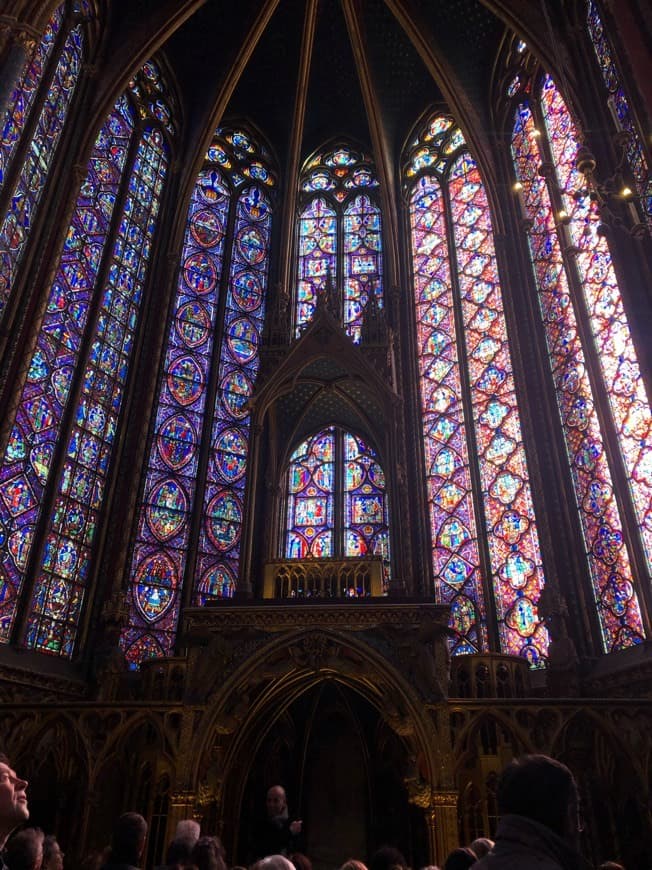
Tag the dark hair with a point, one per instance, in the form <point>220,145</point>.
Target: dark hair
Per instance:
<point>460,859</point>
<point>611,865</point>
<point>300,861</point>
<point>208,854</point>
<point>23,849</point>
<point>128,838</point>
<point>385,858</point>
<point>539,788</point>
<point>179,851</point>
<point>49,844</point>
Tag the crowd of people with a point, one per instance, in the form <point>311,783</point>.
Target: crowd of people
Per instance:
<point>539,829</point>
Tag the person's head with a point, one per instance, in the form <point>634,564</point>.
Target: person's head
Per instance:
<point>52,854</point>
<point>128,840</point>
<point>276,801</point>
<point>352,864</point>
<point>610,865</point>
<point>273,862</point>
<point>13,800</point>
<point>300,861</point>
<point>542,789</point>
<point>481,846</point>
<point>387,858</point>
<point>25,850</point>
<point>179,853</point>
<point>208,854</point>
<point>188,829</point>
<point>460,859</point>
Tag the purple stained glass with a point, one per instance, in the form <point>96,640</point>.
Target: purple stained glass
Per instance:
<point>366,513</point>
<point>619,105</point>
<point>311,499</point>
<point>49,377</point>
<point>455,553</point>
<point>612,338</point>
<point>85,469</point>
<point>317,257</point>
<point>218,552</point>
<point>616,602</point>
<point>159,556</point>
<point>22,98</point>
<point>18,221</point>
<point>517,572</point>
<point>512,541</point>
<point>362,261</point>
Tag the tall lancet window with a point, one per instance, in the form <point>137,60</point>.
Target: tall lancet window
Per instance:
<point>30,133</point>
<point>604,410</point>
<point>192,501</point>
<point>340,237</point>
<point>621,112</point>
<point>56,464</point>
<point>483,529</point>
<point>336,501</point>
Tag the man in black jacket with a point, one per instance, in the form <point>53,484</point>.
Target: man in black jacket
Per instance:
<point>277,834</point>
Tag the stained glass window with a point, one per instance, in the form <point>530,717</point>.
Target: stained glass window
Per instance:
<point>53,550</point>
<point>621,109</point>
<point>208,374</point>
<point>340,237</point>
<point>610,356</point>
<point>481,514</point>
<point>57,59</point>
<point>336,500</point>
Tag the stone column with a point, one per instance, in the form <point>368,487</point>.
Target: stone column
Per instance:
<point>442,821</point>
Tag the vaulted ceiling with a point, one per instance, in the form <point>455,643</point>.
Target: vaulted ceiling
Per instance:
<point>303,70</point>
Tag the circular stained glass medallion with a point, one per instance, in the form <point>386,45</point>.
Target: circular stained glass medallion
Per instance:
<point>193,323</point>
<point>206,228</point>
<point>156,584</point>
<point>185,380</point>
<point>176,441</point>
<point>242,339</point>
<point>231,454</point>
<point>236,389</point>
<point>166,511</point>
<point>252,244</point>
<point>224,520</point>
<point>200,272</point>
<point>247,290</point>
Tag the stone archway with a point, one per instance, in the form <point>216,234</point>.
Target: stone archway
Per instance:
<point>388,659</point>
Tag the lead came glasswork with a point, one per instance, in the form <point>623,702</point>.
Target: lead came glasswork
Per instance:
<point>40,409</point>
<point>159,562</point>
<point>179,422</point>
<point>340,235</point>
<point>608,559</point>
<point>513,547</point>
<point>86,464</point>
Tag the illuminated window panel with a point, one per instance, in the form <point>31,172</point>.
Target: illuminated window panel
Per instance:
<point>213,343</point>
<point>456,282</point>
<point>310,506</point>
<point>22,98</point>
<point>616,602</point>
<point>62,578</point>
<point>26,195</point>
<point>455,554</point>
<point>621,109</point>
<point>159,558</point>
<point>517,572</point>
<point>362,261</point>
<point>336,501</point>
<point>340,237</point>
<point>611,334</point>
<point>28,457</point>
<point>218,554</point>
<point>317,257</point>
